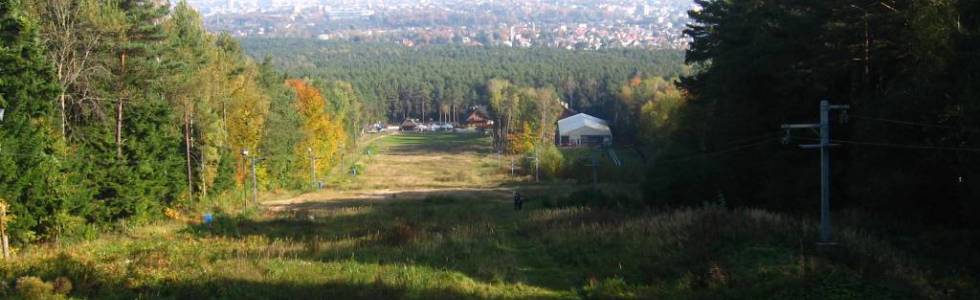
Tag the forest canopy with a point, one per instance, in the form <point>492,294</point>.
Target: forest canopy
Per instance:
<point>398,82</point>
<point>119,111</point>
<point>909,144</point>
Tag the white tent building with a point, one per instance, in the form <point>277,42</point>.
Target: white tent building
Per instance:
<point>583,129</point>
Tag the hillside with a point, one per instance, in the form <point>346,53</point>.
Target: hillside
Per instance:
<point>409,240</point>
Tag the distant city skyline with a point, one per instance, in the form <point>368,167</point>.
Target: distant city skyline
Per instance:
<point>581,24</point>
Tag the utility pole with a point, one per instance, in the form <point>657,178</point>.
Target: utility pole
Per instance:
<point>255,184</point>
<point>537,169</point>
<point>244,183</point>
<point>204,166</point>
<point>313,168</point>
<point>824,146</point>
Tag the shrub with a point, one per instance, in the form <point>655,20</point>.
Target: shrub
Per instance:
<point>609,288</point>
<point>31,287</point>
<point>357,168</point>
<point>171,213</point>
<point>550,159</point>
<point>62,285</point>
<point>63,225</point>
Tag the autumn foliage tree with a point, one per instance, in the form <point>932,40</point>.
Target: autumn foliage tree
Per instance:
<point>323,134</point>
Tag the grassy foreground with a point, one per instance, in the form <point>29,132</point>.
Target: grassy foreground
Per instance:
<point>429,219</point>
<point>446,248</point>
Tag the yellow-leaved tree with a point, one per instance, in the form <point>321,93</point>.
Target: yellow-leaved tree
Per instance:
<point>524,141</point>
<point>657,113</point>
<point>247,110</point>
<point>322,133</point>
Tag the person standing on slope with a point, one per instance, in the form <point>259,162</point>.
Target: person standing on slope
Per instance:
<point>518,201</point>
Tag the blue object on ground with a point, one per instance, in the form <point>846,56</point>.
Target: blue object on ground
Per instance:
<point>208,218</point>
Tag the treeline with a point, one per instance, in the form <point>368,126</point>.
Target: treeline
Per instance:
<point>442,82</point>
<point>116,110</point>
<point>909,143</point>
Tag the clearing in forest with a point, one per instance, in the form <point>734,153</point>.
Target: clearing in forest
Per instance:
<point>415,166</point>
<point>430,218</point>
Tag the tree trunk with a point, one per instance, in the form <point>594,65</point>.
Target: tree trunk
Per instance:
<point>64,116</point>
<point>119,110</point>
<point>119,122</point>
<point>187,151</point>
<point>3,230</point>
<point>204,174</point>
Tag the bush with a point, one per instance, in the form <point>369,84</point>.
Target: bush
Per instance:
<point>550,159</point>
<point>357,168</point>
<point>609,288</point>
<point>62,285</point>
<point>31,287</point>
<point>63,225</point>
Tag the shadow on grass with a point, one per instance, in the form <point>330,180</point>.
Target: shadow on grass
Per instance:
<point>707,253</point>
<point>490,242</point>
<point>243,289</point>
<point>479,238</point>
<point>87,281</point>
<point>711,251</point>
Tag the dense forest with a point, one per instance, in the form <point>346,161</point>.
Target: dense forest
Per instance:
<point>909,144</point>
<point>123,110</point>
<point>109,107</point>
<point>399,82</point>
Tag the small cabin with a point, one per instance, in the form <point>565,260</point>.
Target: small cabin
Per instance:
<point>479,118</point>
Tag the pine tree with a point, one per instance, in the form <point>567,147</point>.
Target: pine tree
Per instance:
<point>136,47</point>
<point>280,135</point>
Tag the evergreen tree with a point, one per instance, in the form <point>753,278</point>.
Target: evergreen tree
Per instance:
<point>280,137</point>
<point>30,178</point>
<point>901,65</point>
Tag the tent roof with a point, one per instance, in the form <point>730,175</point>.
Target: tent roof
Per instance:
<point>583,120</point>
